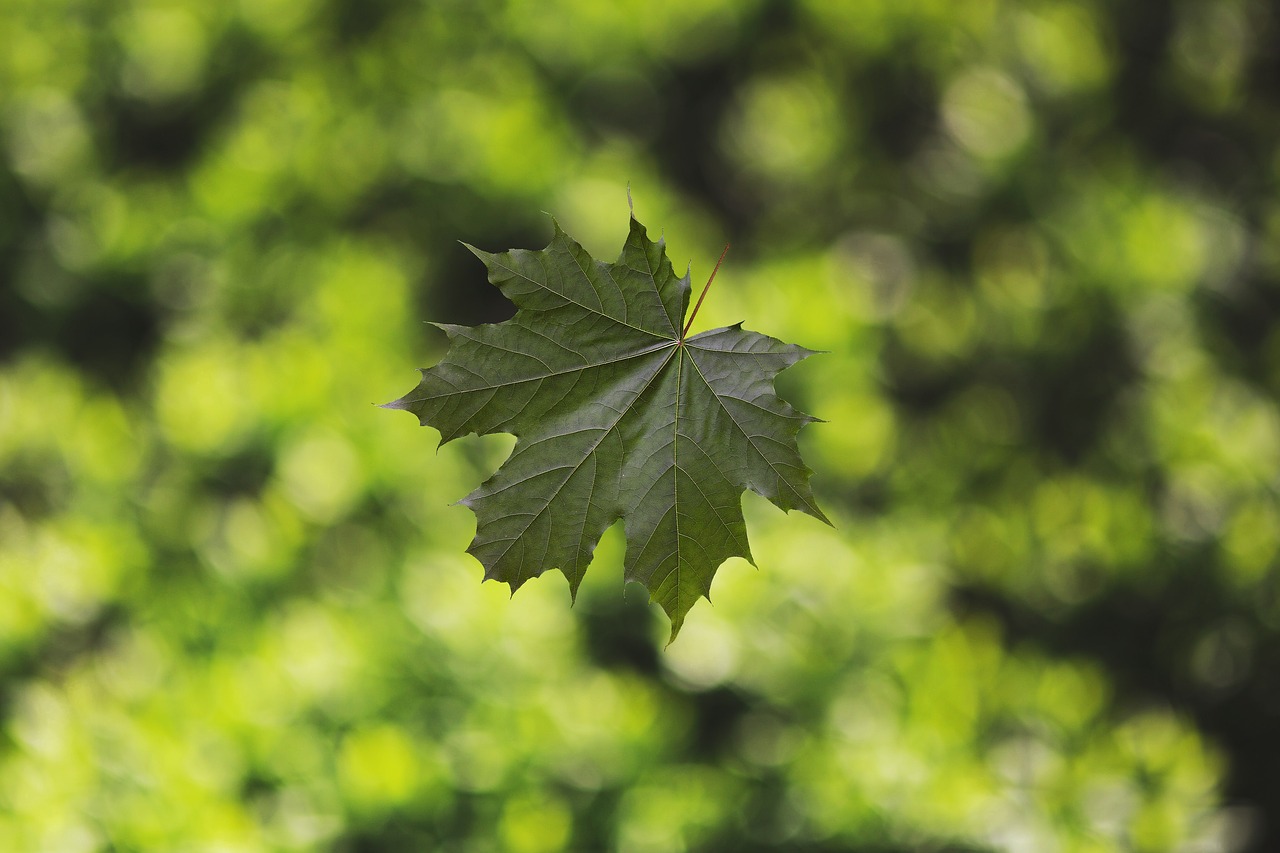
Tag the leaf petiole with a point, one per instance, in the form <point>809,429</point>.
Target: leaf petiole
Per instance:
<point>703,295</point>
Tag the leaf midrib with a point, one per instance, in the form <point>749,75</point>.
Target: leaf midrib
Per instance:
<point>584,307</point>
<point>591,451</point>
<point>652,348</point>
<point>751,439</point>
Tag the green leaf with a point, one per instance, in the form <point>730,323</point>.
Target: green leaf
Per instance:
<point>616,415</point>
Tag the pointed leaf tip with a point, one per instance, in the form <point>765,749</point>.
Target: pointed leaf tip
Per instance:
<point>479,253</point>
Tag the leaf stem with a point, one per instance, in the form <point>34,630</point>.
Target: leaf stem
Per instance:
<point>703,296</point>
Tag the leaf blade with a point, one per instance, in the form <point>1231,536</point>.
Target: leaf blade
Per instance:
<point>615,417</point>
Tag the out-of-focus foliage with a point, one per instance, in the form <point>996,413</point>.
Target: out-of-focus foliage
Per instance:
<point>1038,238</point>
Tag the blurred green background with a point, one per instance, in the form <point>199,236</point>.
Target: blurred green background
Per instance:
<point>1040,239</point>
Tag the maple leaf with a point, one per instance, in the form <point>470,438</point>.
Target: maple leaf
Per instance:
<point>616,415</point>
